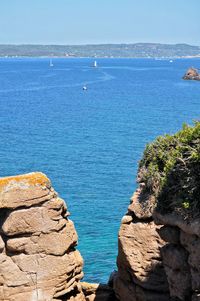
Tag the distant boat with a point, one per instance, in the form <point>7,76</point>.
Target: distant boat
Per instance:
<point>171,61</point>
<point>95,64</point>
<point>50,63</point>
<point>84,88</point>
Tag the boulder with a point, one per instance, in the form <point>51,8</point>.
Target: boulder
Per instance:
<point>38,259</point>
<point>192,74</point>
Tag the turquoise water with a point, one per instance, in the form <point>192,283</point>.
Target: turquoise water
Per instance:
<point>89,142</point>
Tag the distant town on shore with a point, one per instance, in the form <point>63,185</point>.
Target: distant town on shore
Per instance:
<point>137,50</point>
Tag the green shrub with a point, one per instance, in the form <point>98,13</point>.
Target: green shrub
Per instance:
<point>170,169</point>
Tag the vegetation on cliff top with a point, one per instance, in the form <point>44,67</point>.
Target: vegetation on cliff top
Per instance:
<point>170,169</point>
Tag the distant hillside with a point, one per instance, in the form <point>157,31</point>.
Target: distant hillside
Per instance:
<point>144,50</point>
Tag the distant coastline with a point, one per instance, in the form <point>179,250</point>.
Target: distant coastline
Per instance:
<point>138,50</point>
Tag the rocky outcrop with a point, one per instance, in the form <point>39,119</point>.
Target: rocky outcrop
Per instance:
<point>38,259</point>
<point>192,74</point>
<point>159,238</point>
<point>181,257</point>
<point>159,254</point>
<point>141,274</point>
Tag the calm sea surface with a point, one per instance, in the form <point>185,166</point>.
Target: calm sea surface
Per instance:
<point>89,142</point>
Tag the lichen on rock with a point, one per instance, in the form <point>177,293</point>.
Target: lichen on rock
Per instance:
<point>38,259</point>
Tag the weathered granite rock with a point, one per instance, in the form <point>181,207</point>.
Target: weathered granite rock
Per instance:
<point>139,254</point>
<point>24,190</point>
<point>159,237</point>
<point>158,255</point>
<point>45,243</point>
<point>142,204</point>
<point>181,257</point>
<point>38,260</point>
<point>141,275</point>
<point>175,220</point>
<point>191,74</point>
<point>129,291</point>
<point>192,244</point>
<point>177,270</point>
<point>97,292</point>
<point>170,234</point>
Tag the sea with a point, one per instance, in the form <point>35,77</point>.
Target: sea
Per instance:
<point>89,142</point>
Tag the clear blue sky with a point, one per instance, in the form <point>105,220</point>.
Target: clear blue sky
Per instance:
<point>99,21</point>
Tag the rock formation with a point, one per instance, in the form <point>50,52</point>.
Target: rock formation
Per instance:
<point>181,255</point>
<point>159,255</point>
<point>38,259</point>
<point>159,237</point>
<point>141,275</point>
<point>97,292</point>
<point>192,74</point>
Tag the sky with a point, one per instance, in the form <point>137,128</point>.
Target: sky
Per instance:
<point>99,21</point>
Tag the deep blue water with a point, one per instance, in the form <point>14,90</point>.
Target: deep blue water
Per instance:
<point>89,142</point>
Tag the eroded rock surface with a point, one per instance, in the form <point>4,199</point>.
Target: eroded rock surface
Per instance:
<point>141,275</point>
<point>181,257</point>
<point>97,292</point>
<point>158,254</point>
<point>38,259</point>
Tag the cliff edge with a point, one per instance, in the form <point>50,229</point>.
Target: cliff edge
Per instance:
<point>159,237</point>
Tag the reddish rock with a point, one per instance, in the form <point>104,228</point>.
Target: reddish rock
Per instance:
<point>129,291</point>
<point>98,292</point>
<point>142,204</point>
<point>24,190</point>
<point>175,220</point>
<point>45,243</point>
<point>139,255</point>
<point>184,279</point>
<point>192,74</point>
<point>177,270</point>
<point>38,260</point>
<point>141,275</point>
<point>192,244</point>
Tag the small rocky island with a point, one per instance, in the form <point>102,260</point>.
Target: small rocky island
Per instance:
<point>192,74</point>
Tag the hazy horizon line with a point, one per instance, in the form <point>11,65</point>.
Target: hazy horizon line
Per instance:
<point>94,44</point>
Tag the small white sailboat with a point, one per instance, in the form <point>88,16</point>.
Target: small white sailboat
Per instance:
<point>50,63</point>
<point>171,61</point>
<point>84,88</point>
<point>95,64</point>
